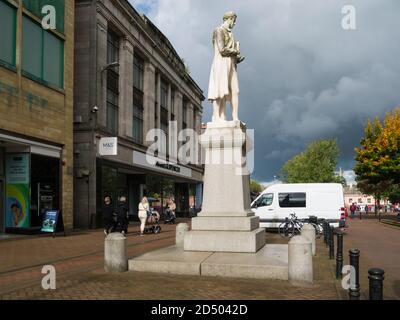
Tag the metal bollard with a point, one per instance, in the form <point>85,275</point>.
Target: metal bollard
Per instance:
<point>327,234</point>
<point>376,283</point>
<point>354,290</point>
<point>339,255</point>
<point>331,244</point>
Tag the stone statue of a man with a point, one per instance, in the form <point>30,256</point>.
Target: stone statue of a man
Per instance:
<point>223,85</point>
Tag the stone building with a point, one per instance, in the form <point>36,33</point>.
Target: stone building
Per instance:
<point>36,113</point>
<point>128,80</point>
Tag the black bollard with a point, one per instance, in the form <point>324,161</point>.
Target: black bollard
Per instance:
<point>339,255</point>
<point>354,290</point>
<point>331,244</point>
<point>376,283</point>
<point>327,227</point>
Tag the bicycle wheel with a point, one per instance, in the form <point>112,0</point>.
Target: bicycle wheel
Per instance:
<point>319,230</point>
<point>281,229</point>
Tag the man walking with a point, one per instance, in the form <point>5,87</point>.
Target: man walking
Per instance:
<point>353,209</point>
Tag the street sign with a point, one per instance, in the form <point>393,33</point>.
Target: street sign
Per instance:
<point>108,146</point>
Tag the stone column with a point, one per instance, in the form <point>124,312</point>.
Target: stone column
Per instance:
<point>125,114</point>
<point>226,222</point>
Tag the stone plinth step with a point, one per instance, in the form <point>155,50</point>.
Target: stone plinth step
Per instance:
<point>169,260</point>
<point>271,262</point>
<point>225,241</point>
<point>225,224</point>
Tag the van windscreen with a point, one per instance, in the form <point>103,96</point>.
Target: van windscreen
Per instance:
<point>292,200</point>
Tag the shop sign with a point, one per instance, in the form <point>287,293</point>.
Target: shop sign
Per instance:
<point>17,190</point>
<point>50,219</point>
<point>108,147</point>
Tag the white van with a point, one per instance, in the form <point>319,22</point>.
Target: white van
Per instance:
<point>277,202</point>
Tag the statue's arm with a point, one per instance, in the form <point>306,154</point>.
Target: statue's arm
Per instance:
<point>222,48</point>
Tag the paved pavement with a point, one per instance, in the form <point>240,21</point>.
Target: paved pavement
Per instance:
<point>78,259</point>
<point>379,246</point>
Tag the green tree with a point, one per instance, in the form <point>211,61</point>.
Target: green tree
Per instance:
<point>378,157</point>
<point>255,187</point>
<point>316,164</point>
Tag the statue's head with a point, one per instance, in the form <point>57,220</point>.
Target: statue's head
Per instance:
<point>230,18</point>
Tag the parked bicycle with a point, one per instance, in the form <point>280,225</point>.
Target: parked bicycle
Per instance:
<point>291,226</point>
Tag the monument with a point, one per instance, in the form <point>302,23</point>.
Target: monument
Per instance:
<point>225,239</point>
<point>226,222</point>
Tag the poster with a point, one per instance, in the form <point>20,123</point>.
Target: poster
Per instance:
<point>17,190</point>
<point>50,221</point>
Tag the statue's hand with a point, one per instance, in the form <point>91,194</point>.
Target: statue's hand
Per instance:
<point>240,59</point>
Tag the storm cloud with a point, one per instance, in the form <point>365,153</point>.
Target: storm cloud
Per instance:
<point>304,77</point>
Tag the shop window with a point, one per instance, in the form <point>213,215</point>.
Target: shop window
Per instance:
<point>42,54</point>
<point>7,34</point>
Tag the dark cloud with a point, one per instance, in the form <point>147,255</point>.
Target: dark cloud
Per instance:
<point>304,77</point>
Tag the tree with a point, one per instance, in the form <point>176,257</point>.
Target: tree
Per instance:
<point>255,187</point>
<point>316,164</point>
<point>378,157</point>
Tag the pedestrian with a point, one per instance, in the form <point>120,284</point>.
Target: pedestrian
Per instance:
<point>366,209</point>
<point>144,209</point>
<point>353,209</point>
<point>107,211</point>
<point>122,215</point>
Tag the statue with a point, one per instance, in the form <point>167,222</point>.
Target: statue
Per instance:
<point>224,85</point>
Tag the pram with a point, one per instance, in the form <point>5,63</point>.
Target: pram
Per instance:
<point>169,216</point>
<point>153,223</point>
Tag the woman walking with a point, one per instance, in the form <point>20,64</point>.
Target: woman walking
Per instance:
<point>143,209</point>
<point>107,210</point>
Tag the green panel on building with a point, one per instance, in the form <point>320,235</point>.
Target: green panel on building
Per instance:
<point>35,6</point>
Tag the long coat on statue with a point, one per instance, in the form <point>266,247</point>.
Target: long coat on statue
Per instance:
<point>223,77</point>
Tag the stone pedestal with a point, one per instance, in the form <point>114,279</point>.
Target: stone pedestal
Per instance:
<point>226,222</point>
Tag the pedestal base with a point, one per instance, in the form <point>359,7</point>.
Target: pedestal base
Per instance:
<point>225,241</point>
<point>271,262</point>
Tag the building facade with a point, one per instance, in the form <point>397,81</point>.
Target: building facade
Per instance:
<point>353,195</point>
<point>36,113</point>
<point>128,80</point>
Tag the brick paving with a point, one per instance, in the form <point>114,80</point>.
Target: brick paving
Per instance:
<point>78,260</point>
<point>379,246</point>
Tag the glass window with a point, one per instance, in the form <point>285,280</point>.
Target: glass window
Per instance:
<point>172,104</point>
<point>32,48</point>
<point>42,54</point>
<point>184,113</point>
<point>164,95</point>
<point>53,60</point>
<point>137,116</point>
<point>292,200</point>
<point>264,200</point>
<point>112,47</point>
<point>368,200</point>
<point>7,34</point>
<point>138,72</point>
<point>35,7</point>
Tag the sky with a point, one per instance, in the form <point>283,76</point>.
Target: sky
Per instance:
<point>304,77</point>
